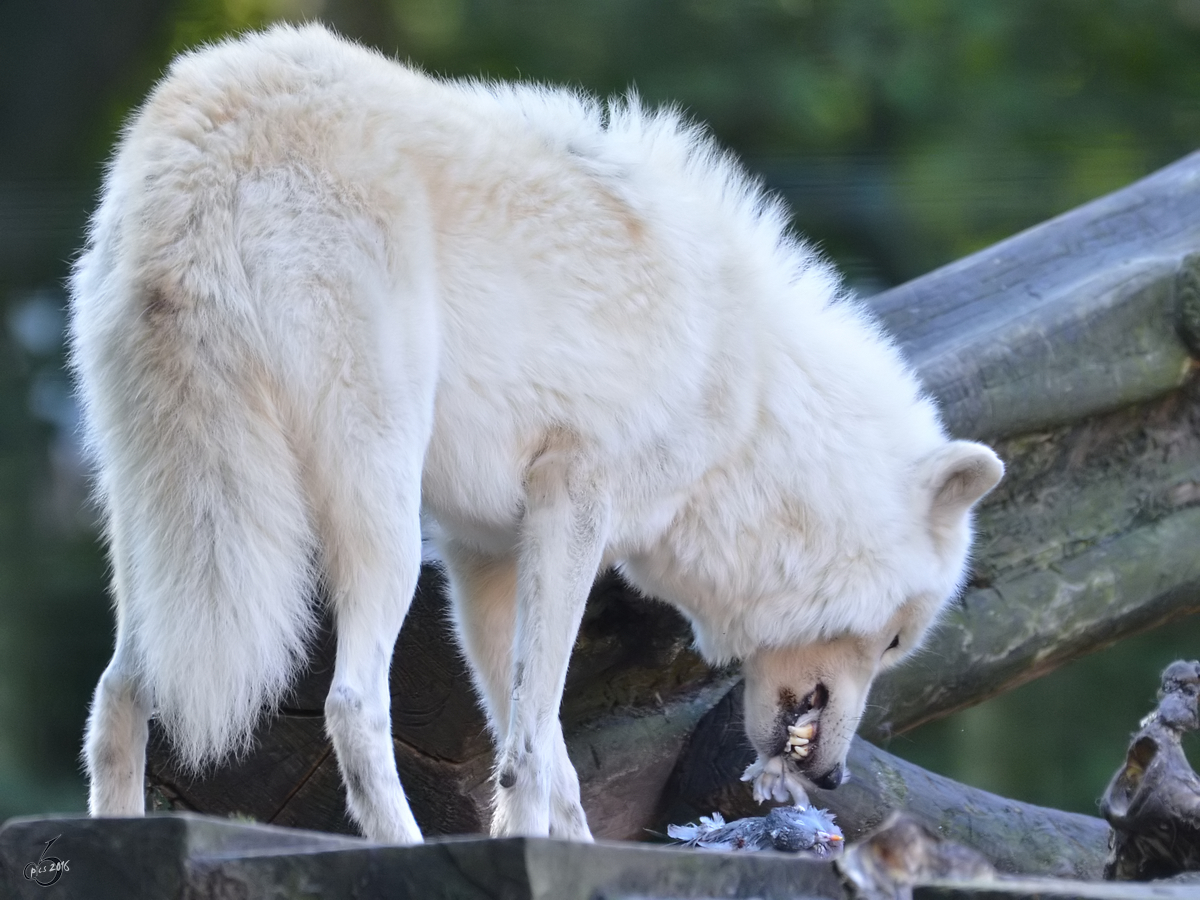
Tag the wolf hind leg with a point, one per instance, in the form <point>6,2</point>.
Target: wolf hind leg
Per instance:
<point>368,514</point>
<point>483,601</point>
<point>114,747</point>
<point>115,742</point>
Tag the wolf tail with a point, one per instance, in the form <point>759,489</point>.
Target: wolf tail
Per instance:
<point>210,537</point>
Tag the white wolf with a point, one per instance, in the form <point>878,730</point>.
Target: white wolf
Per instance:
<point>324,292</point>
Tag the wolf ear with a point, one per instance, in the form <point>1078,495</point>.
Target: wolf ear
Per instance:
<point>957,476</point>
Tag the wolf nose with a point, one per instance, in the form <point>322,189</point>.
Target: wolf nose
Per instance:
<point>830,779</point>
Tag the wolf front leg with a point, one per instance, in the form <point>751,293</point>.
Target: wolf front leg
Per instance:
<point>483,589</point>
<point>563,535</point>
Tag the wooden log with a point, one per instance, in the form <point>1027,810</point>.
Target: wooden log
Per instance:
<point>1091,311</point>
<point>1091,537</point>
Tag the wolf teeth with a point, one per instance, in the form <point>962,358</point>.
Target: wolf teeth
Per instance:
<point>800,737</point>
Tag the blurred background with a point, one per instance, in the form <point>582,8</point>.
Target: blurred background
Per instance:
<point>904,134</point>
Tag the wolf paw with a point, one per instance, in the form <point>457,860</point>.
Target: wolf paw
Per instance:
<point>568,821</point>
<point>522,806</point>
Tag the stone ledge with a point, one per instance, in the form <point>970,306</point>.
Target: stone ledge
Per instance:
<point>183,856</point>
<point>1055,889</point>
<point>191,857</point>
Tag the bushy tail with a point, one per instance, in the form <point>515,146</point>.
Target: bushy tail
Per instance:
<point>211,540</point>
<point>225,611</point>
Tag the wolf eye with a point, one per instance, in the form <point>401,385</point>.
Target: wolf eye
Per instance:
<point>894,644</point>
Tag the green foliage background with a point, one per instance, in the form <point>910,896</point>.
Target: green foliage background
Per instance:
<point>905,133</point>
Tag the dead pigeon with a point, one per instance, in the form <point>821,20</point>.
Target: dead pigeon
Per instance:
<point>806,830</point>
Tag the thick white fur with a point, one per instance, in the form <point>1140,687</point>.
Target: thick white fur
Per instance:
<point>324,291</point>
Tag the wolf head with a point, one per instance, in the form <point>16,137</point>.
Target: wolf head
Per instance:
<point>804,699</point>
